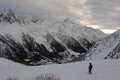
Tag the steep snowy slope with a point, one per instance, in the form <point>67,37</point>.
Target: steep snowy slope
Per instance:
<point>53,26</point>
<point>102,70</point>
<point>54,38</point>
<point>109,47</point>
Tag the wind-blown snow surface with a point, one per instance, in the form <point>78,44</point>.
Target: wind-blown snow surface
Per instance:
<point>102,70</point>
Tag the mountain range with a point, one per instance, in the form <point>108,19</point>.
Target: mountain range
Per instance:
<point>44,40</point>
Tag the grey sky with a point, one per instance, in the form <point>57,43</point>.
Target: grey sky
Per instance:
<point>104,13</point>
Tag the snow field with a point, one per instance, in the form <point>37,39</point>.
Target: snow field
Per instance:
<point>102,70</point>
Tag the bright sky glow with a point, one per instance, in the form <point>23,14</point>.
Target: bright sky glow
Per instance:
<point>108,31</point>
<point>94,26</point>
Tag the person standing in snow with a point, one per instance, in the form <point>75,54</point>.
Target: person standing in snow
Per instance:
<point>90,68</point>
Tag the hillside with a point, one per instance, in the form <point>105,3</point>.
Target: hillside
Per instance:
<point>107,48</point>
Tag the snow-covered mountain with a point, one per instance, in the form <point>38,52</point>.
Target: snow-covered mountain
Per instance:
<point>107,48</point>
<point>56,39</point>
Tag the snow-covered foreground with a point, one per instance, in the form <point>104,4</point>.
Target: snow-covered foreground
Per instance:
<point>103,70</point>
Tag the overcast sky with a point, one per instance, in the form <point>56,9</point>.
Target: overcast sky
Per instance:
<point>102,14</point>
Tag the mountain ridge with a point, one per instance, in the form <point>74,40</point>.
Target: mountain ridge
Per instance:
<point>106,48</point>
<point>59,37</point>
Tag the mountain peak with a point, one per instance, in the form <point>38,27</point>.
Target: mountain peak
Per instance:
<point>8,16</point>
<point>67,20</point>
